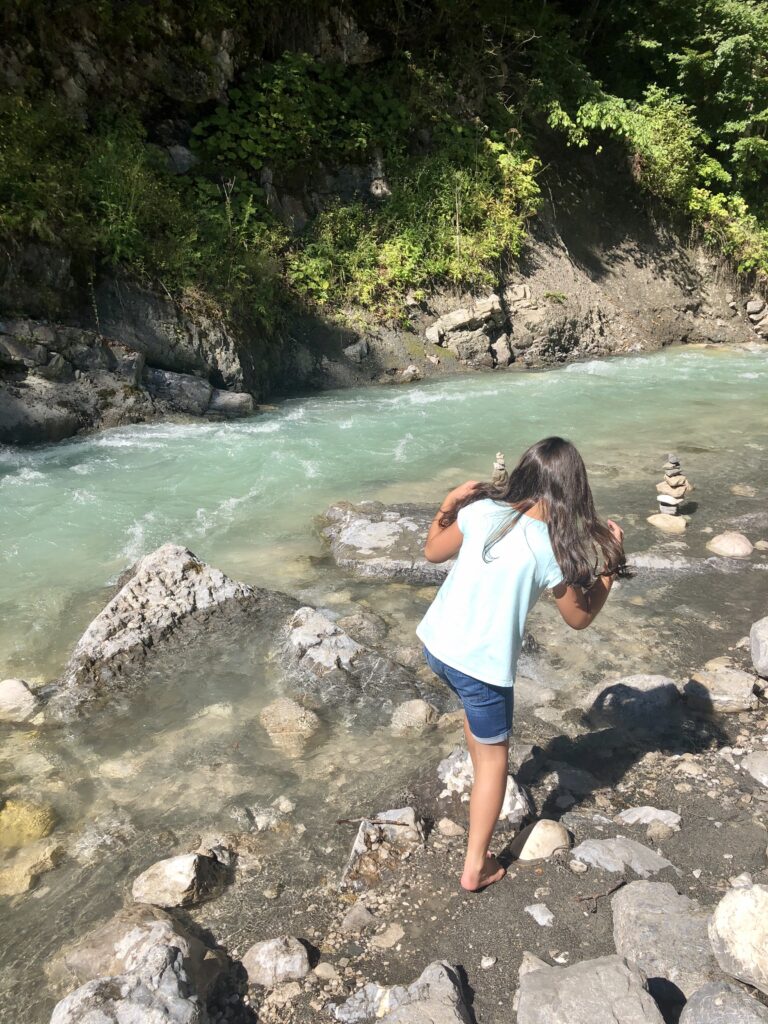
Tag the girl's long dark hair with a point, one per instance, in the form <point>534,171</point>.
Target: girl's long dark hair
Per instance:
<point>552,472</point>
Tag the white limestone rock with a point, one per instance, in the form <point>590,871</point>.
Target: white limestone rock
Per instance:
<point>757,766</point>
<point>414,717</point>
<point>649,815</point>
<point>618,854</point>
<point>730,544</point>
<point>275,961</point>
<point>543,839</point>
<point>721,688</point>
<point>455,772</point>
<point>738,932</point>
<point>180,881</point>
<point>17,702</point>
<point>758,646</point>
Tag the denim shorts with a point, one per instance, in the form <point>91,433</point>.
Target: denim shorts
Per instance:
<point>488,708</point>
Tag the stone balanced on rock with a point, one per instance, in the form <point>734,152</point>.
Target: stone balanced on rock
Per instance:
<point>674,488</point>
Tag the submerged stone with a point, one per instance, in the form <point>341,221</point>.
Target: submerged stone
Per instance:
<point>22,822</point>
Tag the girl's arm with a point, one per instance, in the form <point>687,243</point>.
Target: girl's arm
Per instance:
<point>581,608</point>
<point>443,542</point>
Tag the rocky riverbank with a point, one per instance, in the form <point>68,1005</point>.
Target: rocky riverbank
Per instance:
<point>634,828</point>
<point>600,277</point>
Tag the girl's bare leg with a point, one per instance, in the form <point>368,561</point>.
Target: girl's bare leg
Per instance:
<point>490,762</point>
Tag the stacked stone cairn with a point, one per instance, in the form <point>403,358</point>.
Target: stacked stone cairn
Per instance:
<point>674,488</point>
<point>500,476</point>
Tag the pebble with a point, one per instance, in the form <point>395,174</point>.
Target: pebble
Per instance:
<point>541,914</point>
<point>578,867</point>
<point>487,962</point>
<point>391,935</point>
<point>447,827</point>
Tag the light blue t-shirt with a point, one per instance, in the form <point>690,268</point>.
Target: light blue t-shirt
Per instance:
<point>476,622</point>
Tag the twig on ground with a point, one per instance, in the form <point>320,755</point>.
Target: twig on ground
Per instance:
<point>595,896</point>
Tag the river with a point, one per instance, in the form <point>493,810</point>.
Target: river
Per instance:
<point>243,496</point>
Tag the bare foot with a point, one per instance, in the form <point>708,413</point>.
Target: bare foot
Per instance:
<point>475,881</point>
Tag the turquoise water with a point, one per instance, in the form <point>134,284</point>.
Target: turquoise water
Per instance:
<point>244,496</point>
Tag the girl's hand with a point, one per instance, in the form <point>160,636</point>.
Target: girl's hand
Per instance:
<point>459,493</point>
<point>616,530</point>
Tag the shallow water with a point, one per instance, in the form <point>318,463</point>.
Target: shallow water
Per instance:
<point>191,755</point>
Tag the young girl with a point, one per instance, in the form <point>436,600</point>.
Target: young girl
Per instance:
<point>538,531</point>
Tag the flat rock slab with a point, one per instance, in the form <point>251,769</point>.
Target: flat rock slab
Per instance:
<point>602,991</point>
<point>649,815</point>
<point>719,1002</point>
<point>618,854</point>
<point>665,934</point>
<point>382,541</point>
<point>165,591</point>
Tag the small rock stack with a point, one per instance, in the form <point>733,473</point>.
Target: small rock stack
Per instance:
<point>674,488</point>
<point>500,476</point>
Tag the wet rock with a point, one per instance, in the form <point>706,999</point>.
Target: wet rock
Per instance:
<point>719,1002</point>
<point>121,945</point>
<point>648,816</point>
<point>17,702</point>
<point>435,997</point>
<point>668,524</point>
<point>640,702</point>
<point>365,627</point>
<point>730,544</point>
<point>665,935</point>
<point>758,646</point>
<point>167,590</point>
<point>619,854</point>
<point>158,992</point>
<point>720,688</point>
<point>738,932</point>
<point>543,839</point>
<point>276,961</point>
<point>413,718</point>
<point>757,766</point>
<point>22,822</point>
<point>327,665</point>
<point>289,725</point>
<point>229,405</point>
<point>181,391</point>
<point>602,991</point>
<point>22,873</point>
<point>382,541</point>
<point>181,881</point>
<point>357,919</point>
<point>381,841</point>
<point>455,772</point>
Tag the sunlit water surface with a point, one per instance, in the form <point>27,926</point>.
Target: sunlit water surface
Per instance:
<point>244,496</point>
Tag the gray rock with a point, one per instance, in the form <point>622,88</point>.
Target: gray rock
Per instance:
<point>720,688</point>
<point>166,589</point>
<point>640,702</point>
<point>456,774</point>
<point>619,854</point>
<point>758,646</point>
<point>229,405</point>
<point>719,1002</point>
<point>57,368</point>
<point>157,993</point>
<point>121,945</point>
<point>367,628</point>
<point>181,881</point>
<point>326,665</point>
<point>35,415</point>
<point>382,541</point>
<point>357,351</point>
<point>275,961</point>
<point>602,991</point>
<point>757,766</point>
<point>755,305</point>
<point>181,391</point>
<point>738,932</point>
<point>648,816</point>
<point>434,998</point>
<point>357,919</point>
<point>17,702</point>
<point>180,159</point>
<point>483,312</point>
<point>468,345</point>
<point>18,352</point>
<point>289,725</point>
<point>414,717</point>
<point>665,935</point>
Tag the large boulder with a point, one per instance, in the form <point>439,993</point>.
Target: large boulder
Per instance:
<point>181,391</point>
<point>607,990</point>
<point>738,932</point>
<point>665,934</point>
<point>382,541</point>
<point>730,544</point>
<point>165,592</point>
<point>758,645</point>
<point>158,992</point>
<point>327,666</point>
<point>719,1002</point>
<point>121,945</point>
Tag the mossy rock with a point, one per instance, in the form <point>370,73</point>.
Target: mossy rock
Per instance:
<point>22,822</point>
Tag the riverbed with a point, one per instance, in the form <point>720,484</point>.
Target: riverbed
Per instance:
<point>188,755</point>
